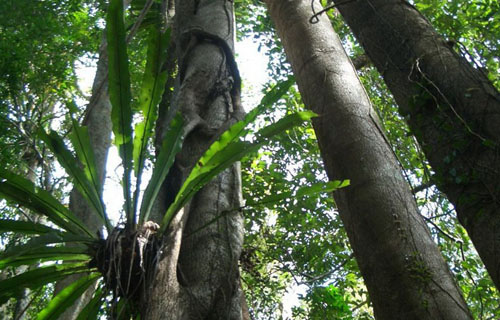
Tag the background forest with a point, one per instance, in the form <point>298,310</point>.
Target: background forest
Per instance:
<point>295,248</point>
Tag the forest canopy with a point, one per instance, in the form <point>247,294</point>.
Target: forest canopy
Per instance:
<point>178,136</point>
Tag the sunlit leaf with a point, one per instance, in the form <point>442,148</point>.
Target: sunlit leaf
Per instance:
<point>271,97</point>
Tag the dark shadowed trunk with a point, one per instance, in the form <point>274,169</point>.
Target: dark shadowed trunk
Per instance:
<point>404,272</point>
<point>450,106</point>
<point>197,274</point>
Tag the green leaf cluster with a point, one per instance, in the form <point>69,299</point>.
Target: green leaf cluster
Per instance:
<point>47,248</point>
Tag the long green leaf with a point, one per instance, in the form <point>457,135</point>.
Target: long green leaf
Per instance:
<point>12,287</point>
<point>276,92</point>
<point>66,297</point>
<point>24,227</point>
<point>119,94</point>
<point>153,85</point>
<point>271,97</point>
<point>80,139</point>
<point>24,193</point>
<point>71,164</point>
<point>218,158</point>
<point>35,256</point>
<point>81,142</point>
<point>172,143</point>
<point>319,187</point>
<point>91,310</point>
<point>41,242</point>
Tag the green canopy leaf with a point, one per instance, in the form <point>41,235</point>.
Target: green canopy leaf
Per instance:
<point>303,191</point>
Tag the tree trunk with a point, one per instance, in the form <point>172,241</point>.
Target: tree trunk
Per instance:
<point>24,299</point>
<point>98,121</point>
<point>197,275</point>
<point>451,108</point>
<point>404,272</point>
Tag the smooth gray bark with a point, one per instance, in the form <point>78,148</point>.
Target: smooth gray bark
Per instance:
<point>197,275</point>
<point>451,107</point>
<point>403,269</point>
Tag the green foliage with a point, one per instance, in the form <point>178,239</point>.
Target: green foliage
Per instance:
<point>294,241</point>
<point>41,42</point>
<point>472,27</point>
<point>87,253</point>
<point>223,153</point>
<point>91,310</point>
<point>294,234</point>
<point>42,254</point>
<point>326,302</point>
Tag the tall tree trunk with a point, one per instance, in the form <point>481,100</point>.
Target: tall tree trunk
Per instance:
<point>404,272</point>
<point>451,108</point>
<point>24,299</point>
<point>197,275</point>
<point>98,121</point>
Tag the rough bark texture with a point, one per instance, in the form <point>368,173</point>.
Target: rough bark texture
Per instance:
<point>197,275</point>
<point>450,106</point>
<point>404,272</point>
<point>98,121</point>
